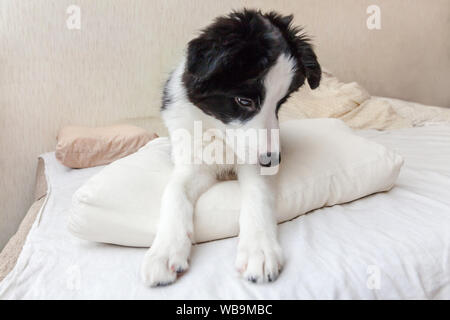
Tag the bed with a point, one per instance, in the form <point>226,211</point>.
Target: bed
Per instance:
<point>393,245</point>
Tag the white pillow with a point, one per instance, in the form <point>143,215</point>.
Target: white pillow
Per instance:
<point>323,164</point>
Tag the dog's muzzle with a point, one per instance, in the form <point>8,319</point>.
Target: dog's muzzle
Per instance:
<point>269,159</point>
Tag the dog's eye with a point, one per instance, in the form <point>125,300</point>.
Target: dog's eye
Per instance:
<point>245,102</point>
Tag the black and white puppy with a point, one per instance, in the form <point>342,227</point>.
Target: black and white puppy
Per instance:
<point>236,74</point>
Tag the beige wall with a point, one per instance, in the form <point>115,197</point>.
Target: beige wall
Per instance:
<point>113,68</point>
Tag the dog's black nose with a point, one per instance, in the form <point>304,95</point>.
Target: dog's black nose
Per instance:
<point>270,159</point>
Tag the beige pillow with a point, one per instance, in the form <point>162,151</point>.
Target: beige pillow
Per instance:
<point>83,147</point>
<point>332,99</point>
<point>349,102</point>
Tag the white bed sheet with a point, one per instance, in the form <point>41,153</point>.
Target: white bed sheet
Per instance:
<point>391,245</point>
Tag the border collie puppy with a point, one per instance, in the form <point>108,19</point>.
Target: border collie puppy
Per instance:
<point>235,75</point>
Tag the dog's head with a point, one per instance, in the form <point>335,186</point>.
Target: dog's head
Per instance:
<point>244,66</point>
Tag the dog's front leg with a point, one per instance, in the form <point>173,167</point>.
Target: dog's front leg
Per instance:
<point>170,249</point>
<point>259,257</point>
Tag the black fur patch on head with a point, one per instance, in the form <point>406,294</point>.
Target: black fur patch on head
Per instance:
<point>231,57</point>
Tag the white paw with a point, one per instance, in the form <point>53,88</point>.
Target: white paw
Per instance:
<point>259,260</point>
<point>162,263</point>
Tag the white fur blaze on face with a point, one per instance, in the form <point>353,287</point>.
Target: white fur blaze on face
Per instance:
<point>276,85</point>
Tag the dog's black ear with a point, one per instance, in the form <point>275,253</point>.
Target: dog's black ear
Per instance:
<point>313,72</point>
<point>282,22</point>
<point>285,20</point>
<point>204,58</point>
<point>300,46</point>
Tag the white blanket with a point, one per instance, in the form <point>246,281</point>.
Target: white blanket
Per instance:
<point>389,245</point>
